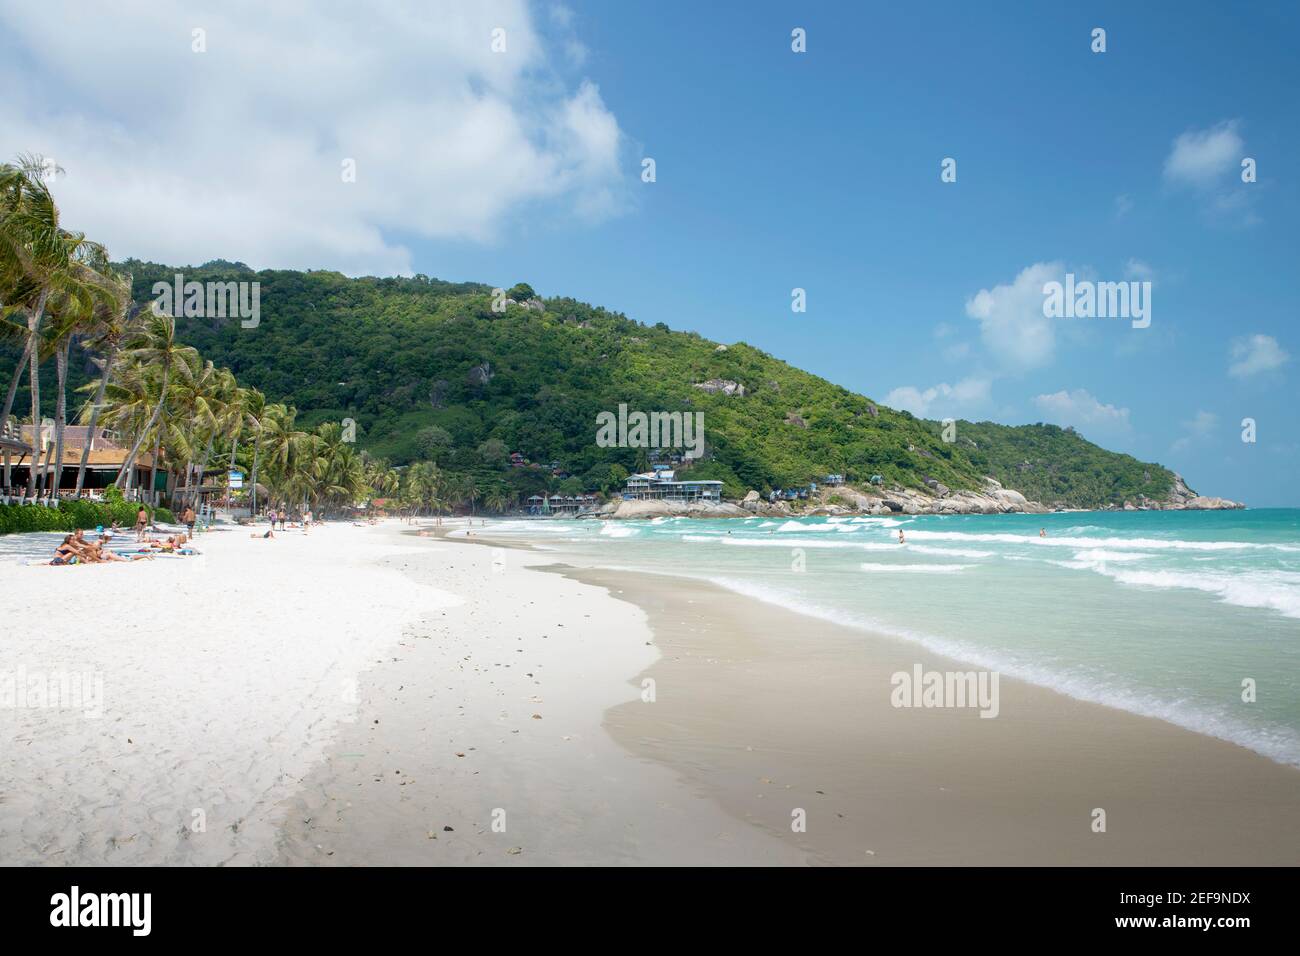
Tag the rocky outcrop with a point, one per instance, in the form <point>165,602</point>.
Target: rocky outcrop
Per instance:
<point>660,508</point>
<point>726,387</point>
<point>936,498</point>
<point>1180,494</point>
<point>1183,498</point>
<point>1204,503</point>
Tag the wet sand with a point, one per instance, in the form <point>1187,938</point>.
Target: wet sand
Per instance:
<point>770,711</point>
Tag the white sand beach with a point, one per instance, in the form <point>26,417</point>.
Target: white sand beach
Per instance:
<point>223,677</point>
<point>363,696</point>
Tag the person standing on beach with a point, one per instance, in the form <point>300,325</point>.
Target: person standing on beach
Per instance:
<point>141,522</point>
<point>189,519</point>
<point>282,517</point>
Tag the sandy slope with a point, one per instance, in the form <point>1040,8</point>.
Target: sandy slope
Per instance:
<point>223,677</point>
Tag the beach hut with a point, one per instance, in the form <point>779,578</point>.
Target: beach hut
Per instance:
<point>103,455</point>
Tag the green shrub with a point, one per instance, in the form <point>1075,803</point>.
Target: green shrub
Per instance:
<point>16,519</point>
<point>71,515</point>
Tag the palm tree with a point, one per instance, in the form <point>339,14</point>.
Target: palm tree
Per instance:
<point>469,487</point>
<point>279,443</point>
<point>254,410</point>
<point>213,395</point>
<point>115,326</point>
<point>155,345</point>
<point>423,485</point>
<point>39,259</point>
<point>130,397</point>
<point>73,309</point>
<point>193,403</point>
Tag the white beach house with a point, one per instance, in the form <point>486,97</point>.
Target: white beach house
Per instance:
<point>662,483</point>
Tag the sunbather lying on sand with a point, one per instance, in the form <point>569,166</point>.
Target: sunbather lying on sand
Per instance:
<point>102,553</point>
<point>266,534</point>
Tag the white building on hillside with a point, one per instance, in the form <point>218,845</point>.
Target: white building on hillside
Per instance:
<point>662,483</point>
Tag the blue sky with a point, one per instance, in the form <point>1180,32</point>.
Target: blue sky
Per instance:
<point>774,170</point>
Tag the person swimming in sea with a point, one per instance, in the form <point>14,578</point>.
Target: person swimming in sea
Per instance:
<point>1042,532</point>
<point>901,539</point>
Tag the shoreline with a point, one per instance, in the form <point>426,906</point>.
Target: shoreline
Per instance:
<point>766,712</point>
<point>941,786</point>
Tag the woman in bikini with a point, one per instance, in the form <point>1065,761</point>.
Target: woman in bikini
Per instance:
<point>65,553</point>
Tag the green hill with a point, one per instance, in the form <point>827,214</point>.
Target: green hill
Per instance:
<point>427,369</point>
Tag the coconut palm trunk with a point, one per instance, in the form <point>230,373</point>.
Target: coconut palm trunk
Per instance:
<point>185,486</point>
<point>129,464</point>
<point>94,418</point>
<point>257,448</point>
<point>19,370</point>
<point>153,472</point>
<point>60,412</point>
<point>203,464</point>
<point>34,381</point>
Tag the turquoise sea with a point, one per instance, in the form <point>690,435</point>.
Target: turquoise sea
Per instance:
<point>1160,613</point>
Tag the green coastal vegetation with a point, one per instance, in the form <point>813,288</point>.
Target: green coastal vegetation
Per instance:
<point>421,390</point>
<point>72,515</point>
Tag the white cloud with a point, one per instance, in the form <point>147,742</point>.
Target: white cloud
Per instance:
<point>1255,354</point>
<point>1123,205</point>
<point>964,398</point>
<point>1209,162</point>
<point>236,152</point>
<point>1012,324</point>
<point>1080,408</point>
<point>1201,157</point>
